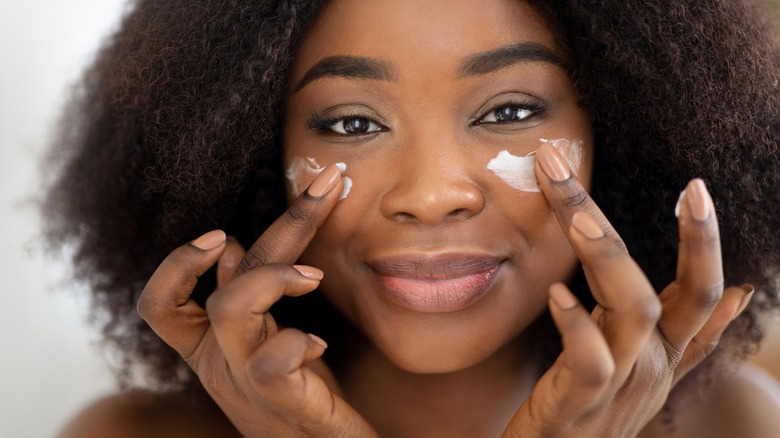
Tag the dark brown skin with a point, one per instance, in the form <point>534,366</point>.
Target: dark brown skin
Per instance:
<point>460,370</point>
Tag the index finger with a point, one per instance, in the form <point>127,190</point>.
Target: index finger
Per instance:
<point>285,240</point>
<point>566,194</point>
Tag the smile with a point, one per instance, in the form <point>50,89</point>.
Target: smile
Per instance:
<point>435,283</point>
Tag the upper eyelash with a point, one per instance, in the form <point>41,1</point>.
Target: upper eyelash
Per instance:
<point>538,106</point>
<point>319,123</point>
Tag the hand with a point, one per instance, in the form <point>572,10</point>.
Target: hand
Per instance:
<point>619,363</point>
<point>261,376</point>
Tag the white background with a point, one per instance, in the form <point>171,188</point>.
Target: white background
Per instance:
<point>49,365</point>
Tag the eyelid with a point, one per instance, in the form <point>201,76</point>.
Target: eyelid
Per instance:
<point>352,110</point>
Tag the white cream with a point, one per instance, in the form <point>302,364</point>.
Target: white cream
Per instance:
<point>518,172</point>
<point>302,172</point>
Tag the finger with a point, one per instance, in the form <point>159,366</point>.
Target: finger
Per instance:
<point>690,299</point>
<point>734,301</point>
<point>275,370</point>
<point>165,302</point>
<point>228,262</point>
<point>567,196</point>
<point>576,381</point>
<point>238,311</point>
<point>288,236</point>
<point>586,366</point>
<point>631,308</point>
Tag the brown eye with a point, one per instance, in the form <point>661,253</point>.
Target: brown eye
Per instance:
<point>507,113</point>
<point>355,126</point>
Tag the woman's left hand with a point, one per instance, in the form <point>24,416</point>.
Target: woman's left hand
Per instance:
<point>620,362</point>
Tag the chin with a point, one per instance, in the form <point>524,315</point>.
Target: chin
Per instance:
<point>426,353</point>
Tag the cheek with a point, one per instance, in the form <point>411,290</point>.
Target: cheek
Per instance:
<point>518,172</point>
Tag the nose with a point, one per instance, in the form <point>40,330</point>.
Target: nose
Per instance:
<point>432,190</point>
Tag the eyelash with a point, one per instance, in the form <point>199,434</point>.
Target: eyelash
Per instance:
<point>318,123</point>
<point>535,109</point>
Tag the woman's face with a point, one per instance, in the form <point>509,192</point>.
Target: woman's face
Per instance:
<point>433,255</point>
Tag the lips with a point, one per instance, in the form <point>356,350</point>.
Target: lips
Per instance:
<point>435,283</point>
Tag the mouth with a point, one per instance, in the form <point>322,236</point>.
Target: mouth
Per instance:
<point>435,283</point>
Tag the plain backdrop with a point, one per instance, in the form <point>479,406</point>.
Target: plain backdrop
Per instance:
<point>49,364</point>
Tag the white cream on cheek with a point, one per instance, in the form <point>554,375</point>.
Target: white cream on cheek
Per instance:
<point>302,171</point>
<point>518,172</point>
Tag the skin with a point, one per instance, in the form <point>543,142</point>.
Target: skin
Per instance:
<point>467,372</point>
<point>440,187</point>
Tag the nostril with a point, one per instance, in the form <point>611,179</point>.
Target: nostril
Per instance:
<point>459,212</point>
<point>403,216</point>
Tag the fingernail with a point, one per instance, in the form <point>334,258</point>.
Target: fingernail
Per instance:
<point>318,340</point>
<point>210,240</point>
<point>325,181</point>
<point>677,207</point>
<point>698,200</point>
<point>586,225</point>
<point>562,297</point>
<point>552,163</point>
<point>309,272</point>
<point>749,289</point>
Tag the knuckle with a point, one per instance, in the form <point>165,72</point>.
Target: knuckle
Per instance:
<point>608,249</point>
<point>705,347</point>
<point>275,363</point>
<point>708,294</point>
<point>298,213</point>
<point>266,369</point>
<point>577,198</point>
<point>257,255</point>
<point>598,373</point>
<point>646,310</point>
<point>708,237</point>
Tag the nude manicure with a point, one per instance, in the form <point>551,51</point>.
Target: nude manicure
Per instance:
<point>309,272</point>
<point>586,225</point>
<point>699,200</point>
<point>325,181</point>
<point>552,163</point>
<point>210,240</point>
<point>318,340</point>
<point>749,289</point>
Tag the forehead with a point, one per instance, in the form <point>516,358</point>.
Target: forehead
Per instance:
<point>433,32</point>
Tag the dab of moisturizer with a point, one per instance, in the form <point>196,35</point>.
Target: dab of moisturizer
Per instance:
<point>303,170</point>
<point>518,172</point>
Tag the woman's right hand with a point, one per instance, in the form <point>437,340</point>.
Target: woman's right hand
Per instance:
<point>261,376</point>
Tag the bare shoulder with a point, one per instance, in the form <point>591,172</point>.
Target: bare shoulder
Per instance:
<point>148,414</point>
<point>744,402</point>
<point>749,400</point>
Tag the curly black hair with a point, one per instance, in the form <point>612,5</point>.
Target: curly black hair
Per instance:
<point>174,131</point>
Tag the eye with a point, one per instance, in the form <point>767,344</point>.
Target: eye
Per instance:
<point>354,126</point>
<point>507,114</point>
<point>345,125</point>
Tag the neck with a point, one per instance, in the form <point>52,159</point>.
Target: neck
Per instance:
<point>477,401</point>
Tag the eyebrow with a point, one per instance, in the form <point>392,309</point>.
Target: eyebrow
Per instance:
<point>351,67</point>
<point>487,62</point>
<point>359,67</point>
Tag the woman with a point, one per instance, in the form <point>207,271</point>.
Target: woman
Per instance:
<point>437,158</point>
